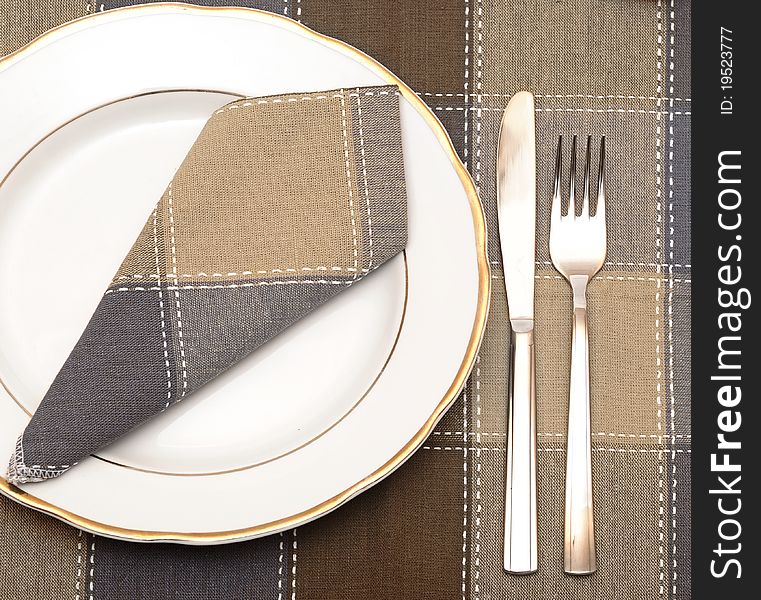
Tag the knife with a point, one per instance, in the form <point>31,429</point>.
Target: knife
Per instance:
<point>516,209</point>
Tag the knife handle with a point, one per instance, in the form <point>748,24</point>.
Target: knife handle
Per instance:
<point>520,498</point>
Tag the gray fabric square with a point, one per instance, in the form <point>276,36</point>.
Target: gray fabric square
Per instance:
<point>223,326</point>
<point>678,189</point>
<point>118,359</point>
<point>243,571</point>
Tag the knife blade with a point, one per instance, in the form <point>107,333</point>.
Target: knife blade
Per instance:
<point>516,209</point>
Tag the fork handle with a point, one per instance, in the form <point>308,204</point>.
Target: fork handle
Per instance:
<point>580,558</point>
<point>520,493</point>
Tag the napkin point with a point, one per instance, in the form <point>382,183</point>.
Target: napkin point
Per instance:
<point>19,472</point>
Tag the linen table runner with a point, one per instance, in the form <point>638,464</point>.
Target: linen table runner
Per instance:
<point>268,217</point>
<point>433,530</point>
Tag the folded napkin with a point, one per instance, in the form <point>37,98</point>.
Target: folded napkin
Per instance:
<point>281,203</point>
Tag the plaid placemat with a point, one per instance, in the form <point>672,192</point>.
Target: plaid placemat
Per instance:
<point>434,529</point>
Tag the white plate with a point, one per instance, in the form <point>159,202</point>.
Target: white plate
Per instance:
<point>88,141</point>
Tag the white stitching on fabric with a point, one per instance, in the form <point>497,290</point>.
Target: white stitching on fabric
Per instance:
<point>20,472</point>
<point>466,96</point>
<point>162,314</point>
<point>348,183</point>
<point>38,472</point>
<point>631,111</point>
<point>364,177</point>
<point>597,434</point>
<point>479,105</point>
<point>658,163</point>
<point>615,110</point>
<point>465,160</point>
<point>293,568</point>
<point>92,568</point>
<point>178,310</point>
<point>606,277</point>
<point>598,449</point>
<point>285,7</point>
<point>280,568</point>
<point>618,264</point>
<point>585,96</point>
<point>464,449</point>
<point>240,273</point>
<point>78,582</point>
<point>251,102</point>
<point>235,285</point>
<point>674,574</point>
<point>479,505</point>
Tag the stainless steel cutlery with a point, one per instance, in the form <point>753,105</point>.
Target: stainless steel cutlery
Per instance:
<point>578,249</point>
<point>516,206</point>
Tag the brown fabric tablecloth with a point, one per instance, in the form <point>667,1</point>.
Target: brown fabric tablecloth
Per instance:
<point>434,529</point>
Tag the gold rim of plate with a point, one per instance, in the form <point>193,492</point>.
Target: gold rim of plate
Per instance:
<point>484,283</point>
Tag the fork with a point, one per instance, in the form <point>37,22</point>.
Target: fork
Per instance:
<point>578,247</point>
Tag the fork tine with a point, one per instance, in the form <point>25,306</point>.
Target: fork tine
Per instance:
<point>600,210</point>
<point>585,201</point>
<point>572,181</point>
<point>555,214</point>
